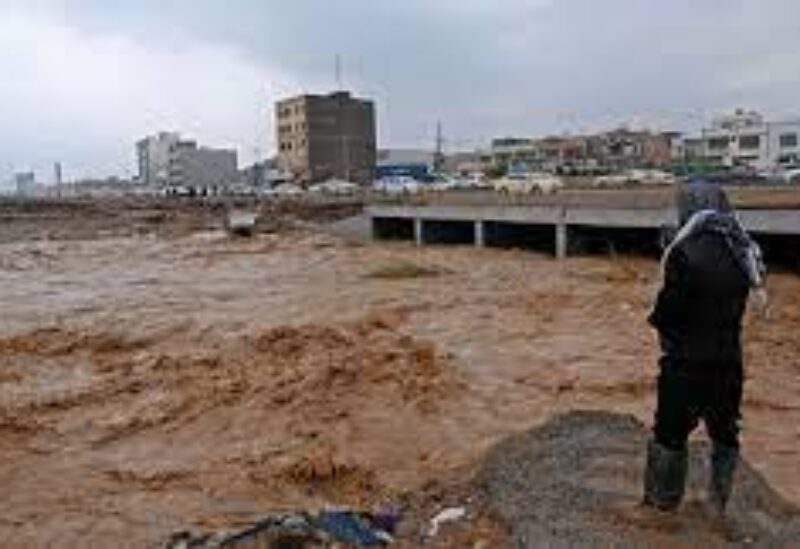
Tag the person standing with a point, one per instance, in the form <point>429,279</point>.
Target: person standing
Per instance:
<point>709,270</point>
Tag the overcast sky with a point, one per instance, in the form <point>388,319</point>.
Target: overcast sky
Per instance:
<point>81,80</point>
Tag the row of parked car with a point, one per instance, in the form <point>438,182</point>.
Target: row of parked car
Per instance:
<point>527,183</point>
<point>523,183</point>
<point>332,187</point>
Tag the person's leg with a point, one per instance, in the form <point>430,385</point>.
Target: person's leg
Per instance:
<point>722,422</point>
<point>667,457</point>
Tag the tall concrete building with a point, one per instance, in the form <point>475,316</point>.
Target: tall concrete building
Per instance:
<point>166,160</point>
<point>326,136</point>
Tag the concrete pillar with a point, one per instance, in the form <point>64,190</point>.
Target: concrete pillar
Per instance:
<point>419,237</point>
<point>373,230</point>
<point>480,234</point>
<point>561,239</point>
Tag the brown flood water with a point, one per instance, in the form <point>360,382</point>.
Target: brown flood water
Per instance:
<point>152,385</point>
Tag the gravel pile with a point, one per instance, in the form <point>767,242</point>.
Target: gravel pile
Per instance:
<point>574,481</point>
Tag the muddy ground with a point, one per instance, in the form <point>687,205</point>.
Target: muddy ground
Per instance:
<point>160,381</point>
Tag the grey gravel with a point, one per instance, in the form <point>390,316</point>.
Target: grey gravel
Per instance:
<point>574,481</point>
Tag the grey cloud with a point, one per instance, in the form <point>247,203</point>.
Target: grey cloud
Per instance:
<point>493,67</point>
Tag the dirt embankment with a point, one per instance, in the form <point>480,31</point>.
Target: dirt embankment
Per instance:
<point>84,219</point>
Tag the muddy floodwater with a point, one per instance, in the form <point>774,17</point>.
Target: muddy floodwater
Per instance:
<point>150,385</point>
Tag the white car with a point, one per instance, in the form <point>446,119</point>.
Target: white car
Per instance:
<point>336,187</point>
<point>288,189</point>
<point>443,184</point>
<point>398,185</point>
<point>528,184</point>
<point>791,175</point>
<point>615,180</point>
<point>652,177</point>
<point>639,177</point>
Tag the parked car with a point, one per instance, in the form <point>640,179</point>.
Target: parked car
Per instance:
<point>398,185</point>
<point>336,187</point>
<point>528,184</point>
<point>288,189</point>
<point>474,181</point>
<point>789,175</point>
<point>652,177</point>
<point>636,177</point>
<point>443,183</point>
<point>612,180</point>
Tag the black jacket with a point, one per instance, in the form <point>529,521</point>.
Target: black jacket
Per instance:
<point>699,310</point>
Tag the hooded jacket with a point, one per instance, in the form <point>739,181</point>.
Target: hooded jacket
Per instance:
<point>708,272</point>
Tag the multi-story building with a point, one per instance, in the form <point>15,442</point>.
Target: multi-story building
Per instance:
<point>166,160</point>
<point>468,164</point>
<point>624,148</point>
<point>153,154</point>
<point>25,183</point>
<point>616,149</point>
<point>327,136</point>
<point>738,139</point>
<point>689,150</point>
<point>745,138</point>
<point>510,152</point>
<point>202,168</point>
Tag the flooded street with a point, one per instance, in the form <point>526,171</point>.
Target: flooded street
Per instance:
<point>149,385</point>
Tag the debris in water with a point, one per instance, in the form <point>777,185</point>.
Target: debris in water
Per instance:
<point>241,222</point>
<point>326,529</point>
<point>450,514</point>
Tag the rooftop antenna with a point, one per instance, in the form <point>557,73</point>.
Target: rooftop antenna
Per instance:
<point>338,71</point>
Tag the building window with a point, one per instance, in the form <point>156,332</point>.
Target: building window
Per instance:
<point>716,143</point>
<point>788,140</point>
<point>749,142</point>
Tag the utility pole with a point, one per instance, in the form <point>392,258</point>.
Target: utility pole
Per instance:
<point>347,173</point>
<point>58,177</point>
<point>438,155</point>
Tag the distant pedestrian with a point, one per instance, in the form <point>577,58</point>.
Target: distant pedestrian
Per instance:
<point>709,270</point>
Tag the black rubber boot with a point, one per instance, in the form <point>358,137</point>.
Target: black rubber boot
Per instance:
<point>664,477</point>
<point>723,466</point>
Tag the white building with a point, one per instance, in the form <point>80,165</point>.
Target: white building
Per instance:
<point>153,155</point>
<point>745,138</point>
<point>509,151</point>
<point>783,145</point>
<point>167,161</point>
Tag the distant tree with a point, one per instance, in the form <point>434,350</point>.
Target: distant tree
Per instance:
<point>496,170</point>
